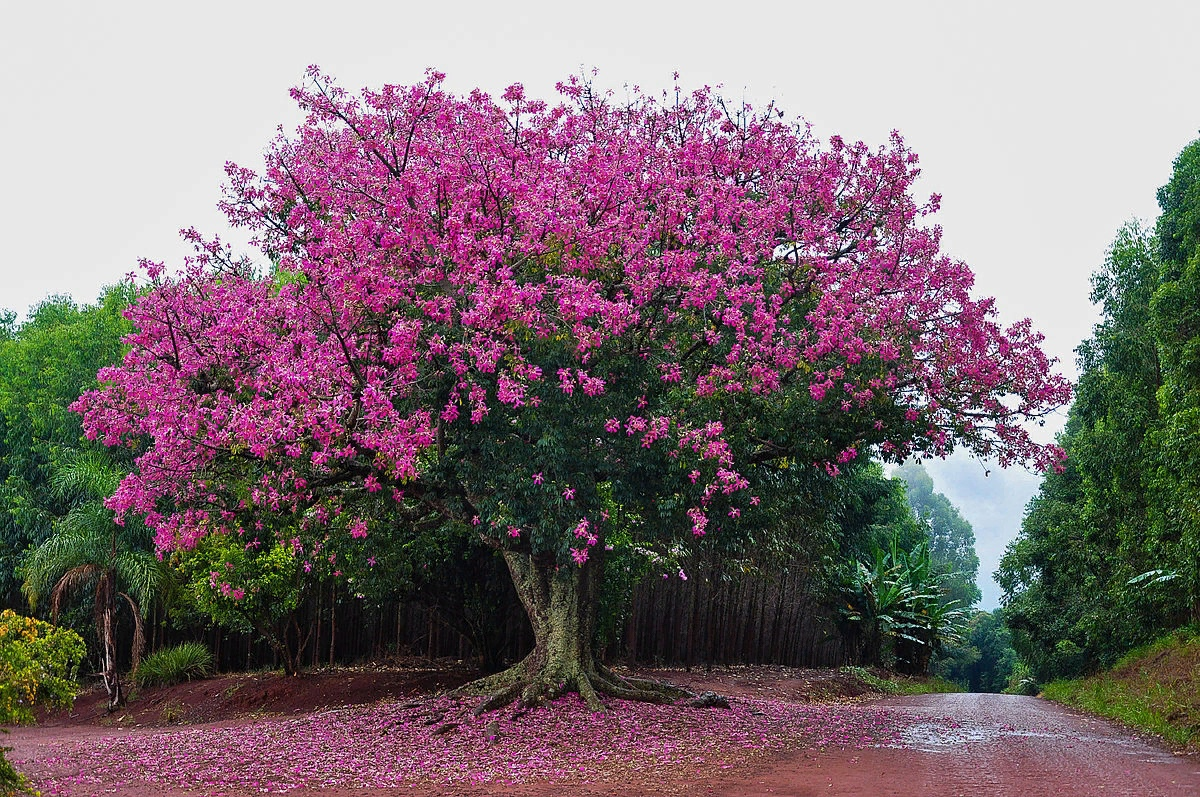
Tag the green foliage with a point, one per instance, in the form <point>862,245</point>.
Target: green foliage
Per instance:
<point>89,553</point>
<point>175,664</point>
<point>1175,320</point>
<point>1178,227</point>
<point>45,363</point>
<point>248,585</point>
<point>1109,553</point>
<point>951,538</point>
<point>984,659</point>
<point>1022,681</point>
<point>1071,593</point>
<point>892,684</point>
<point>12,783</point>
<point>897,607</point>
<point>38,664</point>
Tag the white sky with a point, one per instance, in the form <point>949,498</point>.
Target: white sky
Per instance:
<point>1043,127</point>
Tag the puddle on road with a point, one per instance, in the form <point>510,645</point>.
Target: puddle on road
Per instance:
<point>933,735</point>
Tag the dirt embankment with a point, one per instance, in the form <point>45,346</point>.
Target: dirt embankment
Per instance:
<point>256,695</point>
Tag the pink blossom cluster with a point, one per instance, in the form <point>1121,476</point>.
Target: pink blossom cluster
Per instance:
<point>437,259</point>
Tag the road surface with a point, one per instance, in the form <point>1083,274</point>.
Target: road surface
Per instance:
<point>1001,745</point>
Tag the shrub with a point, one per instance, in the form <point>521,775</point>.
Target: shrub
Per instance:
<point>175,664</point>
<point>37,665</point>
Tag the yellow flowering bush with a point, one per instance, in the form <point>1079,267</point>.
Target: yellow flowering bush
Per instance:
<point>37,665</point>
<point>38,662</point>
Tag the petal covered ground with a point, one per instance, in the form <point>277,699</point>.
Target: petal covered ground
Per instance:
<point>437,740</point>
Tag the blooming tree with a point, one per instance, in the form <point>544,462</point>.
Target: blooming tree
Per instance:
<point>553,323</point>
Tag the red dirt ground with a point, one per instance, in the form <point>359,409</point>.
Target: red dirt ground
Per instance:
<point>947,744</point>
<point>256,695</point>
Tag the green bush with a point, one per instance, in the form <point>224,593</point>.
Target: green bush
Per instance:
<point>175,664</point>
<point>37,666</point>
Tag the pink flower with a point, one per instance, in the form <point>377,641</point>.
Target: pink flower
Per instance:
<point>537,478</point>
<point>599,240</point>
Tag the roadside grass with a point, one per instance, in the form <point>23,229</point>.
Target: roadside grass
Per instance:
<point>895,684</point>
<point>1155,688</point>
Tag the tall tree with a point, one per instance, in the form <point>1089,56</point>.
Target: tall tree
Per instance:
<point>1071,590</point>
<point>45,363</point>
<point>951,538</point>
<point>1175,316</point>
<point>565,325</point>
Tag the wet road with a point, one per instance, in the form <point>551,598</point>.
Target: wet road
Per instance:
<point>1004,745</point>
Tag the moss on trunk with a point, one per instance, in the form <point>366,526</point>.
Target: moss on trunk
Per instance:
<point>561,603</point>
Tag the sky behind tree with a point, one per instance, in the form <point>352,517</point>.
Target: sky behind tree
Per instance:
<point>1042,128</point>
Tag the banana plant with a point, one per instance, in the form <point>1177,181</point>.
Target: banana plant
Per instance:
<point>897,604</point>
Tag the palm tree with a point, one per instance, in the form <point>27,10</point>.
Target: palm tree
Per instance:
<point>89,552</point>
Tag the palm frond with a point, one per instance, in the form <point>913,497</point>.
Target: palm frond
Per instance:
<point>70,581</point>
<point>142,574</point>
<point>66,549</point>
<point>87,475</point>
<point>92,518</point>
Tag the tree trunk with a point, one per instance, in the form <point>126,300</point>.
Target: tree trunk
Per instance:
<point>109,674</point>
<point>561,603</point>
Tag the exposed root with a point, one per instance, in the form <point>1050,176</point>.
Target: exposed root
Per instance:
<point>588,693</point>
<point>517,684</point>
<point>496,682</point>
<point>661,689</point>
<point>501,699</point>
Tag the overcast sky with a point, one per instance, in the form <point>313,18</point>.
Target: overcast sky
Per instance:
<point>1044,128</point>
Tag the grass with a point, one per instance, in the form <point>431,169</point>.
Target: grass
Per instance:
<point>1155,688</point>
<point>175,664</point>
<point>894,684</point>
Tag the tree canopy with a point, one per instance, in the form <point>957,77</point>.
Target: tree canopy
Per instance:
<point>1109,552</point>
<point>46,361</point>
<point>951,538</point>
<point>564,326</point>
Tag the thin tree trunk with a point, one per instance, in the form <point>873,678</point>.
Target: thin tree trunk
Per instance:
<point>332,620</point>
<point>112,680</point>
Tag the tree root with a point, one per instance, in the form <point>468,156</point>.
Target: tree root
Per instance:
<point>518,684</point>
<point>665,691</point>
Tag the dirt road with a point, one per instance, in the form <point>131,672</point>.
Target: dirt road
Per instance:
<point>993,745</point>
